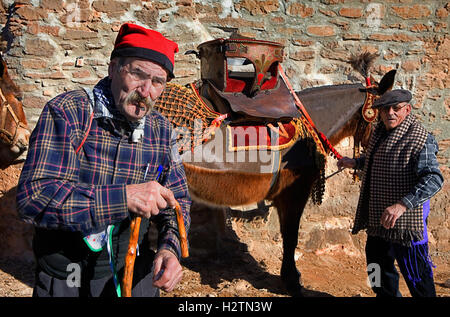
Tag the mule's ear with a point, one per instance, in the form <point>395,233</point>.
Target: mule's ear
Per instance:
<point>386,82</point>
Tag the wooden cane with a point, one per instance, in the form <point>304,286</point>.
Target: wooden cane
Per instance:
<point>182,231</point>
<point>131,254</point>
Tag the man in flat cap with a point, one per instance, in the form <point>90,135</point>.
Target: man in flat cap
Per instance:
<point>400,175</point>
<point>97,158</point>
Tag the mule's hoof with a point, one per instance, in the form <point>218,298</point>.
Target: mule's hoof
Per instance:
<point>295,290</point>
<point>294,286</point>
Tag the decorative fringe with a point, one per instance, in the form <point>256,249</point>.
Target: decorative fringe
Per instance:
<point>318,188</point>
<point>400,236</point>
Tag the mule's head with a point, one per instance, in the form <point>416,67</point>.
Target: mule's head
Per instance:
<point>346,109</point>
<point>14,131</point>
<point>375,91</point>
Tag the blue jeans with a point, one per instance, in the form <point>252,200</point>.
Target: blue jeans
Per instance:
<point>385,253</point>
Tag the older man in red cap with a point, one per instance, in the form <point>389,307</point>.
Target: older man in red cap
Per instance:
<point>400,175</point>
<point>98,158</point>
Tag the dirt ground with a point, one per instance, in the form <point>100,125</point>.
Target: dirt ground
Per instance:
<point>245,267</point>
<point>244,260</point>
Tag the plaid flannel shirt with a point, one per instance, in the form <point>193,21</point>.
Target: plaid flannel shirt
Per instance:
<point>85,191</point>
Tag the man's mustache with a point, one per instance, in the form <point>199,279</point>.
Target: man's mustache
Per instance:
<point>138,100</point>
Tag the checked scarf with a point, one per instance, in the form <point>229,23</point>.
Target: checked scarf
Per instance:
<point>388,175</point>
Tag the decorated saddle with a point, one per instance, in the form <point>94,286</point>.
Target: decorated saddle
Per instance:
<point>240,87</point>
<point>240,111</point>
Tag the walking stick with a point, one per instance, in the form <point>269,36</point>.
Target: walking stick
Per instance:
<point>131,254</point>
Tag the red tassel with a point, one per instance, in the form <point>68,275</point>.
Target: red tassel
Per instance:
<point>329,146</point>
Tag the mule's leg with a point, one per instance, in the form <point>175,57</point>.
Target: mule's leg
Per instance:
<point>290,204</point>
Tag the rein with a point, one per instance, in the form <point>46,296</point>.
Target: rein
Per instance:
<point>310,123</point>
<point>6,109</point>
<point>369,115</point>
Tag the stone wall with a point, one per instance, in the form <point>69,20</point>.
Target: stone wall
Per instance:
<point>52,46</point>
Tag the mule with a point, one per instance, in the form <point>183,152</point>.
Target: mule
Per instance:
<point>336,111</point>
<point>14,131</point>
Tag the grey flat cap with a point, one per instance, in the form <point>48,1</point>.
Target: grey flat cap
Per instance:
<point>392,97</point>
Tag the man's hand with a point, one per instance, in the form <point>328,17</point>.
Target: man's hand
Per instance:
<point>391,214</point>
<point>346,162</point>
<point>167,270</point>
<point>147,199</point>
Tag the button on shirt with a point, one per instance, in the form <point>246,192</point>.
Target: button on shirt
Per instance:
<point>85,191</point>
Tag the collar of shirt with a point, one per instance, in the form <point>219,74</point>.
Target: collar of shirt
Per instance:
<point>104,107</point>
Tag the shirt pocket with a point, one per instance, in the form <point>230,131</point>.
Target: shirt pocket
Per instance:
<point>152,172</point>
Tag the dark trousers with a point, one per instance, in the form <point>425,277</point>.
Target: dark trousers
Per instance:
<point>384,253</point>
<point>49,286</point>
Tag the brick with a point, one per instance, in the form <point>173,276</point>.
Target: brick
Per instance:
<point>232,21</point>
<point>52,75</point>
<point>332,1</point>
<point>81,74</point>
<point>148,16</point>
<point>79,35</point>
<point>83,81</point>
<point>420,27</point>
<point>28,87</point>
<point>411,66</point>
<point>442,13</point>
<point>344,25</point>
<point>351,36</point>
<point>412,12</point>
<point>185,3</point>
<point>55,5</point>
<point>34,102</point>
<point>184,11</point>
<point>320,30</point>
<point>110,6</point>
<point>303,55</point>
<point>351,12</point>
<point>440,27</point>
<point>31,13</point>
<point>303,42</point>
<point>34,28</point>
<point>256,7</point>
<point>299,9</point>
<point>396,37</point>
<point>39,47</point>
<point>328,13</point>
<point>33,63</point>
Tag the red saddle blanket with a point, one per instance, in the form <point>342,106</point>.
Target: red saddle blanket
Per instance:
<point>263,136</point>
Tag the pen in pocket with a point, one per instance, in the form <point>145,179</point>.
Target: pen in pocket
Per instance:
<point>160,169</point>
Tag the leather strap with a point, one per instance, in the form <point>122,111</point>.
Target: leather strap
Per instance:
<point>302,109</point>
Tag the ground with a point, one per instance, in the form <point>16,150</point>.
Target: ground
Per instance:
<point>233,253</point>
<point>245,267</point>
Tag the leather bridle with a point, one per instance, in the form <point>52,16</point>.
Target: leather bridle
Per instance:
<point>6,109</point>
